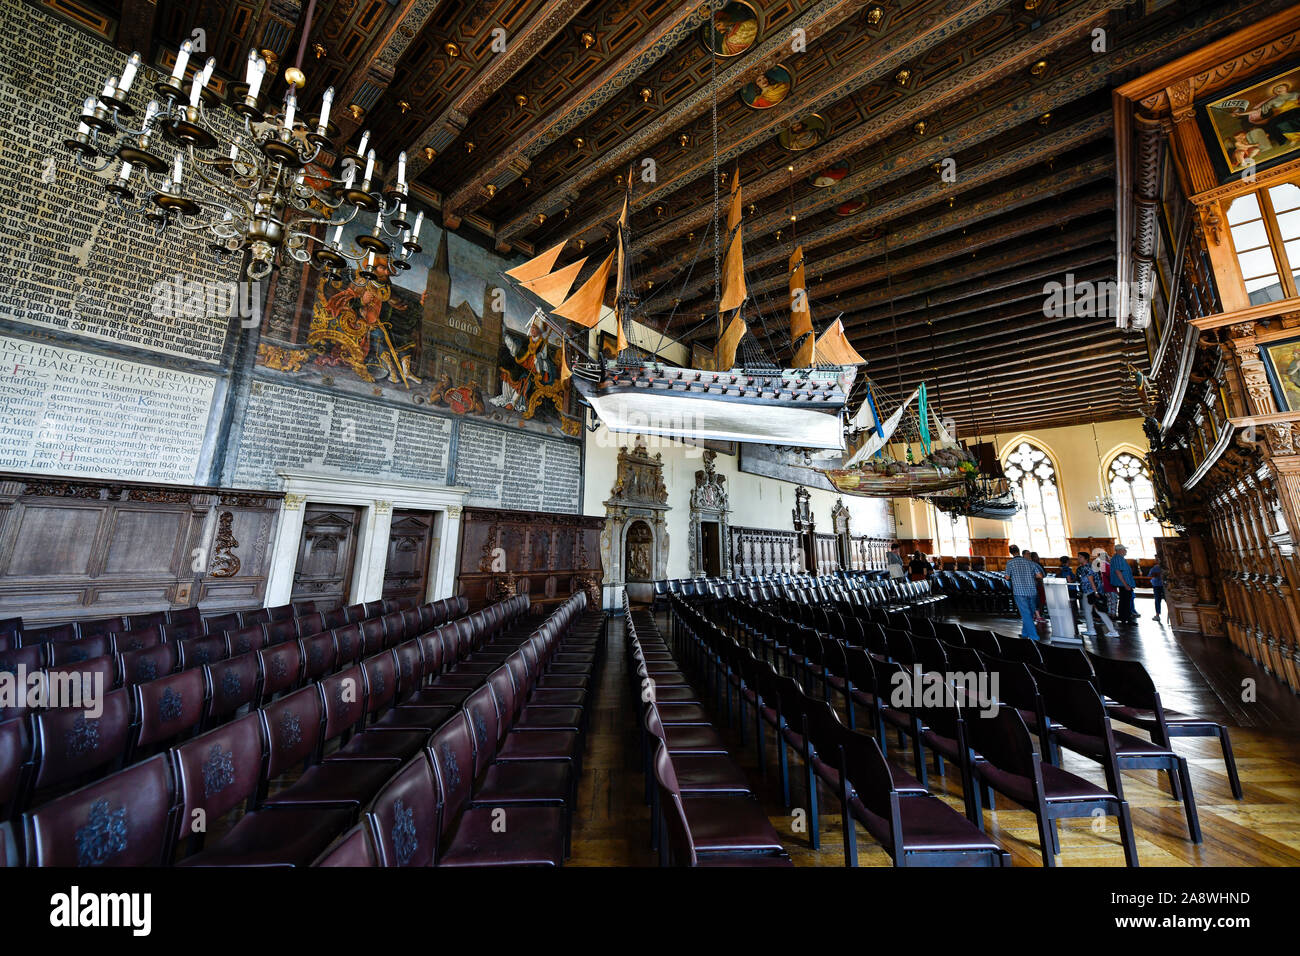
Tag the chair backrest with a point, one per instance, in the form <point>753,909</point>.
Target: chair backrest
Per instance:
<point>507,689</point>
<point>319,655</point>
<point>169,706</point>
<point>309,624</point>
<point>1003,741</point>
<point>69,742</point>
<point>1020,649</point>
<point>350,645</point>
<point>452,751</point>
<point>281,667</point>
<point>1067,662</point>
<point>138,638</point>
<point>286,612</point>
<point>1126,682</point>
<point>410,668</point>
<point>343,615</point>
<point>220,623</point>
<point>120,820</point>
<point>244,640</point>
<point>986,642</point>
<point>74,652</point>
<point>354,848</point>
<point>869,775</point>
<point>381,681</point>
<point>291,727</point>
<point>197,651</point>
<point>404,816</point>
<point>285,630</point>
<point>1076,704</point>
<point>14,747</point>
<point>30,657</point>
<point>232,683</point>
<point>110,625</point>
<point>481,712</point>
<point>217,771</point>
<point>147,663</point>
<point>371,633</point>
<point>343,696</point>
<point>432,650</point>
<point>930,653</point>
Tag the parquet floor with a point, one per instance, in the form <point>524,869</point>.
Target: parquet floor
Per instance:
<point>1200,676</point>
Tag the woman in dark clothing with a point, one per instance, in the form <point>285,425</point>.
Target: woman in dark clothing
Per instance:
<point>919,568</point>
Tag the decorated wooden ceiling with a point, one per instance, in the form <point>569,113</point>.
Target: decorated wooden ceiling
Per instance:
<point>940,161</point>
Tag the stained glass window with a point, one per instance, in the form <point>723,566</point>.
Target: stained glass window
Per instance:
<point>1040,523</point>
<point>952,534</point>
<point>1129,483</point>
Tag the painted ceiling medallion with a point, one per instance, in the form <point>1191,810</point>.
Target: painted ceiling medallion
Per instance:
<point>733,31</point>
<point>770,88</point>
<point>831,175</point>
<point>804,133</point>
<point>850,208</point>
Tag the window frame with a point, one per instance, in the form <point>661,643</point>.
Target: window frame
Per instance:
<point>1272,231</point>
<point>1012,448</point>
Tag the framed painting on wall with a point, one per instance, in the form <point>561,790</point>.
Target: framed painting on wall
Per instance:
<point>1282,363</point>
<point>609,345</point>
<point>1255,127</point>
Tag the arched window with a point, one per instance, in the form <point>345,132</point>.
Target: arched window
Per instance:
<point>1129,483</point>
<point>1040,523</point>
<point>951,534</point>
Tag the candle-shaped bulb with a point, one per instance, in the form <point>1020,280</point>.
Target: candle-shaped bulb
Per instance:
<point>370,260</point>
<point>234,152</point>
<point>182,60</point>
<point>128,74</point>
<point>176,172</point>
<point>87,107</point>
<point>419,221</point>
<point>338,235</point>
<point>370,165</point>
<point>326,102</point>
<point>259,72</point>
<point>150,112</point>
<point>350,175</point>
<point>110,85</point>
<point>125,173</point>
<point>401,174</point>
<point>365,140</point>
<point>290,110</point>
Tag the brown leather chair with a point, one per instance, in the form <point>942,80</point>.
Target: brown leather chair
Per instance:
<point>147,664</point>
<point>232,684</point>
<point>354,848</point>
<point>168,708</point>
<point>124,819</point>
<point>70,746</point>
<point>281,668</point>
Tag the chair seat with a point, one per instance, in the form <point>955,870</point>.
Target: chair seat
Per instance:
<point>534,836</point>
<point>549,718</point>
<point>1059,786</point>
<point>676,695</point>
<point>439,696</point>
<point>746,859</point>
<point>1126,745</point>
<point>681,713</point>
<point>709,773</point>
<point>729,824</point>
<point>278,837</point>
<point>558,696</point>
<point>540,781</point>
<point>692,738</point>
<point>577,670</point>
<point>382,745</point>
<point>930,824</point>
<point>413,715</point>
<point>563,680</point>
<point>347,783</point>
<point>541,745</point>
<point>459,679</point>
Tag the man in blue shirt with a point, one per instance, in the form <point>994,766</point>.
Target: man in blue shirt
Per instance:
<point>1121,577</point>
<point>1024,576</point>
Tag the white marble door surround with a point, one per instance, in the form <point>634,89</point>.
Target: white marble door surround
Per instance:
<point>376,499</point>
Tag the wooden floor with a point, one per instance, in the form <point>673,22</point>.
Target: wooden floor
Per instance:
<point>1202,676</point>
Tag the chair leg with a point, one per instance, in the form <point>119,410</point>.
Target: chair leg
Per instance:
<point>1056,837</point>
<point>1126,834</point>
<point>1189,801</point>
<point>1230,762</point>
<point>783,764</point>
<point>1045,836</point>
<point>814,821</point>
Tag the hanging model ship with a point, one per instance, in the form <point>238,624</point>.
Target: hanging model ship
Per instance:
<point>754,401</point>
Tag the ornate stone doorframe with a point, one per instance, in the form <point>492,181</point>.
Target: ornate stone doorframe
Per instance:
<point>844,538</point>
<point>376,498</point>
<point>638,494</point>
<point>709,503</point>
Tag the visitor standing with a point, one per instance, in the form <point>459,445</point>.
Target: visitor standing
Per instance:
<point>1092,598</point>
<point>1121,576</point>
<point>1024,576</point>
<point>1157,575</point>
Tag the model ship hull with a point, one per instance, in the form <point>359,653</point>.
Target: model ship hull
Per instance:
<point>915,480</point>
<point>996,509</point>
<point>802,407</point>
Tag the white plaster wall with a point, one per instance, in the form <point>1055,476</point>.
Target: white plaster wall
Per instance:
<point>756,501</point>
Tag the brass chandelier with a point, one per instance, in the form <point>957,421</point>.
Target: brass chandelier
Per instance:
<point>249,173</point>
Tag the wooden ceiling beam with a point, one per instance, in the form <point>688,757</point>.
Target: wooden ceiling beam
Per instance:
<point>135,27</point>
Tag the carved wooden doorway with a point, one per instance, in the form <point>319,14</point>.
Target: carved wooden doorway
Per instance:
<point>410,544</point>
<point>711,548</point>
<point>638,558</point>
<point>326,555</point>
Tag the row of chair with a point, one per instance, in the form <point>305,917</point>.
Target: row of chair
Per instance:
<point>494,785</point>
<point>354,730</point>
<point>703,812</point>
<point>46,751</point>
<point>178,623</point>
<point>914,827</point>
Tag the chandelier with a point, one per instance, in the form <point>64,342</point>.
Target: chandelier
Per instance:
<point>1106,505</point>
<point>249,174</point>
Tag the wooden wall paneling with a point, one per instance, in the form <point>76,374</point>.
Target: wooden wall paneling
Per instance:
<point>546,556</point>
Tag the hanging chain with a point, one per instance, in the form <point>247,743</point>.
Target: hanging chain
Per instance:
<point>717,224</point>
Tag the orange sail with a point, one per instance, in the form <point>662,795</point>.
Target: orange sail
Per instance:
<point>566,373</point>
<point>724,354</point>
<point>538,266</point>
<point>734,292</point>
<point>833,347</point>
<point>801,328</point>
<point>583,307</point>
<point>554,286</point>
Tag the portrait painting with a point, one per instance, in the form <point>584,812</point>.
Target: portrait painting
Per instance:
<point>1282,362</point>
<point>803,133</point>
<point>609,346</point>
<point>831,175</point>
<point>1255,127</point>
<point>768,89</point>
<point>733,30</point>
